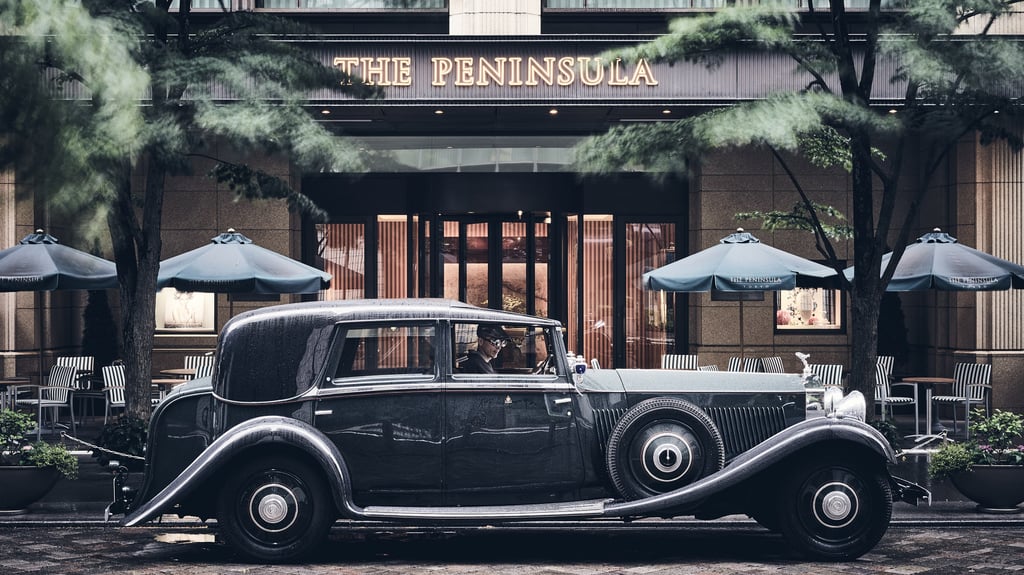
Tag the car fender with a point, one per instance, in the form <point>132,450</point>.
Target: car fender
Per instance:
<point>790,441</point>
<point>263,431</point>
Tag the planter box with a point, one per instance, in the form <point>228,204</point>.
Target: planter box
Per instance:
<point>24,485</point>
<point>995,488</point>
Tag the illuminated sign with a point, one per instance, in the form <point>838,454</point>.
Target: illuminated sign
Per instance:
<point>500,71</point>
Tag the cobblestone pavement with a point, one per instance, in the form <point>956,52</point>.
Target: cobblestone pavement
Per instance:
<point>712,550</point>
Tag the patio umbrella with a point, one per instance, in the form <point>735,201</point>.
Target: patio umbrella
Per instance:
<point>739,263</point>
<point>231,263</point>
<point>937,261</point>
<point>39,263</point>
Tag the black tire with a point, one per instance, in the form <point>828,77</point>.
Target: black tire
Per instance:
<point>834,510</point>
<point>660,445</point>
<point>275,509</point>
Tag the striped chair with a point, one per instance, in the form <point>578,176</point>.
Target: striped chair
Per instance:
<point>113,387</point>
<point>203,364</point>
<point>828,373</point>
<point>84,365</point>
<point>886,361</point>
<point>56,394</point>
<point>884,397</point>
<point>678,361</point>
<point>773,364</point>
<point>708,368</point>
<point>745,364</point>
<point>972,385</point>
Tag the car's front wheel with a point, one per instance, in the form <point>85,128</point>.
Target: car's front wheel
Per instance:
<point>834,508</point>
<point>275,509</point>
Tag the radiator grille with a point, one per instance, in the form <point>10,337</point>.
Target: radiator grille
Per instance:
<point>745,427</point>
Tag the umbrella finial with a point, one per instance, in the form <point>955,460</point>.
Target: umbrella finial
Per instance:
<point>739,237</point>
<point>39,237</point>
<point>231,237</point>
<point>936,236</point>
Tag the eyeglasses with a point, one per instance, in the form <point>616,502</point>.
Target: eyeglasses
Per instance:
<point>498,343</point>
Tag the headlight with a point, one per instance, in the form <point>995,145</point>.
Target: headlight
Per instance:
<point>852,406</point>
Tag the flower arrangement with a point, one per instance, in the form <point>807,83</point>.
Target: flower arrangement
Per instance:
<point>995,440</point>
<point>16,450</point>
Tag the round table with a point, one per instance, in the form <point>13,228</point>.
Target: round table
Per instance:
<point>179,372</point>
<point>10,388</point>
<point>928,383</point>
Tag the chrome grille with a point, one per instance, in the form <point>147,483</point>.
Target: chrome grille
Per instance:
<point>745,427</point>
<point>604,422</point>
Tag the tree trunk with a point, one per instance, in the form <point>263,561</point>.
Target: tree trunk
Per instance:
<point>867,258</point>
<point>137,254</point>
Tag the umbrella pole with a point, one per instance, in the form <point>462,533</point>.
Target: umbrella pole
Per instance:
<point>742,350</point>
<point>39,358</point>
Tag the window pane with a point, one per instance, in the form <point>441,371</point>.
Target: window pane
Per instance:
<point>650,314</point>
<point>342,248</point>
<point>395,266</point>
<point>527,348</point>
<point>386,350</point>
<point>476,265</point>
<point>598,278</point>
<point>808,308</point>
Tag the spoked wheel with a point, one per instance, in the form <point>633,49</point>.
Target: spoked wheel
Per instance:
<point>835,510</point>
<point>275,509</point>
<point>662,444</point>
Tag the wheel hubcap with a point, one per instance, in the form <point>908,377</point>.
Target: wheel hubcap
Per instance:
<point>273,508</point>
<point>835,505</point>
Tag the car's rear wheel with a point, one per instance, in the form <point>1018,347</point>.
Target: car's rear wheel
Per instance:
<point>834,509</point>
<point>660,445</point>
<point>275,509</point>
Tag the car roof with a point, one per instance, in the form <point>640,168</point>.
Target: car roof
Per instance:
<point>402,309</point>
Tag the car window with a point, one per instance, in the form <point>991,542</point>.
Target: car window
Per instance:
<point>521,350</point>
<point>386,349</point>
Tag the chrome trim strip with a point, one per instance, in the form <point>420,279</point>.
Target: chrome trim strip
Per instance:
<point>591,508</point>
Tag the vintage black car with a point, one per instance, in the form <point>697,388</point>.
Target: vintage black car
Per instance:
<point>375,410</point>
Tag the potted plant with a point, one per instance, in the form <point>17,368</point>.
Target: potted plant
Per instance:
<point>989,468</point>
<point>28,470</point>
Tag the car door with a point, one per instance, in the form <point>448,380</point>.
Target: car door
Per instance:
<point>510,436</point>
<point>383,409</point>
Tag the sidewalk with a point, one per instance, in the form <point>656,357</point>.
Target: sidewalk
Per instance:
<point>83,500</point>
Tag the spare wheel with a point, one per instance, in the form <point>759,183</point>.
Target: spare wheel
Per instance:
<point>662,444</point>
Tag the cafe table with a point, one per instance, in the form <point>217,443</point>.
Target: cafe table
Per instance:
<point>165,384</point>
<point>9,390</point>
<point>928,383</point>
<point>179,372</point>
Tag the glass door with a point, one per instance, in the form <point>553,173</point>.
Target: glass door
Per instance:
<point>496,261</point>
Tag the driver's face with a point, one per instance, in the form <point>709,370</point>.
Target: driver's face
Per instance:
<point>488,348</point>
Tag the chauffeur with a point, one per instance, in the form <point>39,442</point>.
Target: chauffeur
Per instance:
<point>490,340</point>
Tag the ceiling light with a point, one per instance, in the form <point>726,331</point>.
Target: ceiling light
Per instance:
<point>553,111</point>
<point>666,111</point>
<point>892,110</point>
<point>325,112</point>
<point>439,112</point>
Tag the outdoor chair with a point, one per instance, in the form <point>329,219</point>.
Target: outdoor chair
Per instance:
<point>678,361</point>
<point>56,394</point>
<point>884,397</point>
<point>773,364</point>
<point>708,368</point>
<point>745,364</point>
<point>203,364</point>
<point>113,388</point>
<point>594,363</point>
<point>886,361</point>
<point>972,384</point>
<point>84,365</point>
<point>828,373</point>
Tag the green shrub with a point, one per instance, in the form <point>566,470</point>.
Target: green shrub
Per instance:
<point>16,448</point>
<point>994,441</point>
<point>126,435</point>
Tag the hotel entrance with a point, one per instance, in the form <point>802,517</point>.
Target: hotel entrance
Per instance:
<point>498,261</point>
<point>576,252</point>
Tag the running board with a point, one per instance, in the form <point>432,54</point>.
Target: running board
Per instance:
<point>592,508</point>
